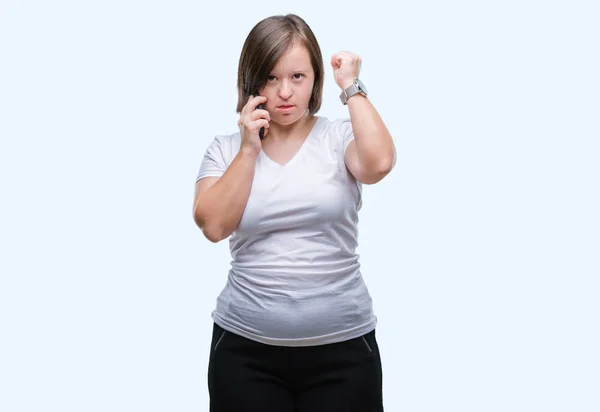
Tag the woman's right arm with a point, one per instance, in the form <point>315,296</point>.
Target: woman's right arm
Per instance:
<point>220,201</point>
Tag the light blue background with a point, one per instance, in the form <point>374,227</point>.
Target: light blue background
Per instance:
<point>481,249</point>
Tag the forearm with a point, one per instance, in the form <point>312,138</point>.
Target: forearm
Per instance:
<point>374,143</point>
<point>219,209</point>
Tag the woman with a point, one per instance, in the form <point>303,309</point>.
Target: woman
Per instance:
<point>294,328</point>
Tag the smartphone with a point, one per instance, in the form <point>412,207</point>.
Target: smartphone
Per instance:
<point>261,132</point>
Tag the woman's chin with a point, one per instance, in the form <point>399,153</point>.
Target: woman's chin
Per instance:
<point>286,120</point>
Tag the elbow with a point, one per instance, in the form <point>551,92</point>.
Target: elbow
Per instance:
<point>378,171</point>
<point>211,231</point>
<point>386,165</point>
<point>214,233</point>
<point>214,236</point>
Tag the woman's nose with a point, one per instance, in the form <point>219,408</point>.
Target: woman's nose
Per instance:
<point>285,91</point>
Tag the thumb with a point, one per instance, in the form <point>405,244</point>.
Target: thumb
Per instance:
<point>335,61</point>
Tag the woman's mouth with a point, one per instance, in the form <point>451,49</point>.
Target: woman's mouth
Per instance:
<point>285,108</point>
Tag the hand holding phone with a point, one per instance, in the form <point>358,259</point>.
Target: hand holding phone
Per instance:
<point>254,122</point>
<point>261,132</point>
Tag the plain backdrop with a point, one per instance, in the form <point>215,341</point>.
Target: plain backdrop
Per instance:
<point>481,249</point>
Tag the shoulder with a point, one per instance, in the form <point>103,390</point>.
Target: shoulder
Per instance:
<point>226,140</point>
<point>218,155</point>
<point>336,127</point>
<point>332,136</point>
<point>225,145</point>
<point>336,133</point>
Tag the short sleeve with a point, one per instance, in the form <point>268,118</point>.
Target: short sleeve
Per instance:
<point>346,132</point>
<point>216,159</point>
<point>344,128</point>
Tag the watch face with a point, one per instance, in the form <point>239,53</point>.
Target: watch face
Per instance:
<point>361,86</point>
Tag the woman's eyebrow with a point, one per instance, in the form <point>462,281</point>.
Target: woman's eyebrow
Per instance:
<point>292,71</point>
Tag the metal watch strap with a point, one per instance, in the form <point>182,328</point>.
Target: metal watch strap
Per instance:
<point>349,92</point>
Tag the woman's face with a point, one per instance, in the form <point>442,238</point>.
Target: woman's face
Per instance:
<point>289,86</point>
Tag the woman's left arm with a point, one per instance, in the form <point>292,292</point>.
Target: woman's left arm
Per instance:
<point>371,155</point>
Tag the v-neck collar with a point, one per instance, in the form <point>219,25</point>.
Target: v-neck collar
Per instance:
<point>298,152</point>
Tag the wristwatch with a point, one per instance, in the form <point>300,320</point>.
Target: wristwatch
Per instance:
<point>356,87</point>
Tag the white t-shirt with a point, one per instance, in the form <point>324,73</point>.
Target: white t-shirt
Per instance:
<point>295,277</point>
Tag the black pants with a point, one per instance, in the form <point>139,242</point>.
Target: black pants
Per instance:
<point>249,376</point>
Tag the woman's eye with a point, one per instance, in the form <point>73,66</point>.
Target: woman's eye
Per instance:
<point>271,78</point>
<point>298,75</point>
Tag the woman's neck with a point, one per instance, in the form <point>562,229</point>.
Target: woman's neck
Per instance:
<point>300,128</point>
